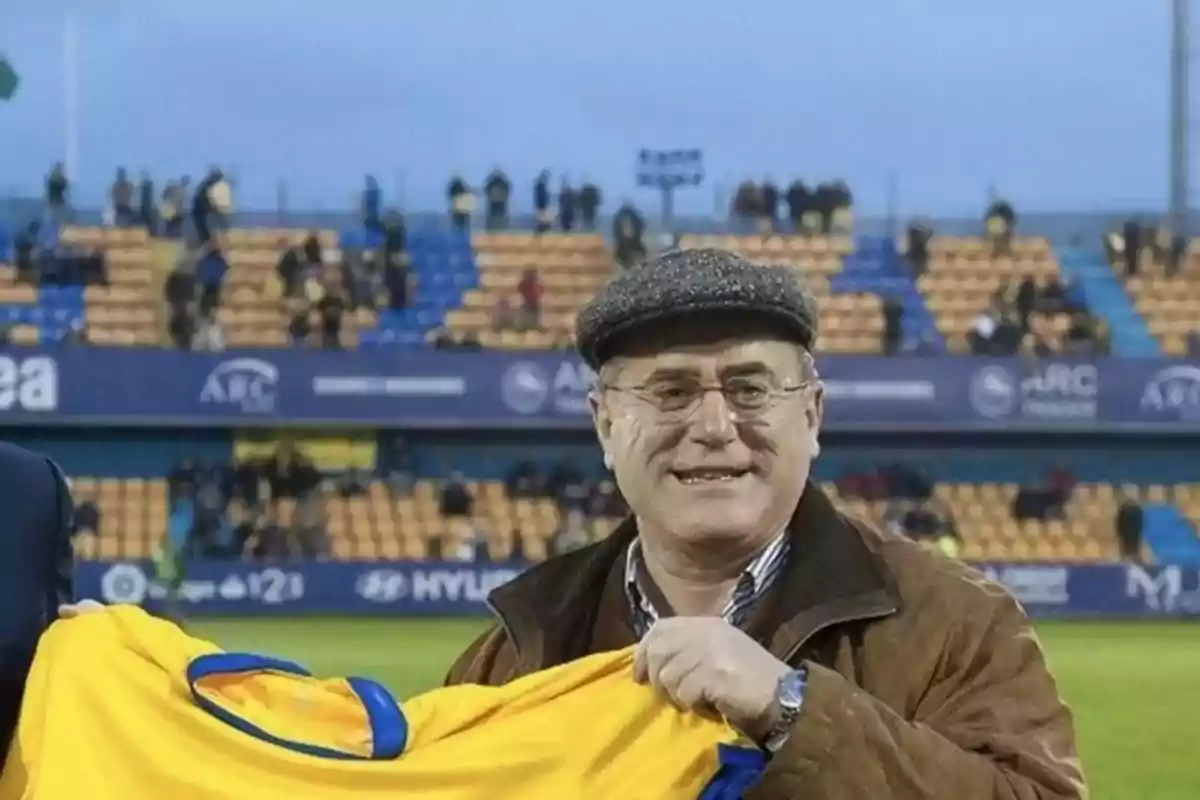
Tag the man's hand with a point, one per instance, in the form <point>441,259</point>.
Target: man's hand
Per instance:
<point>79,609</point>
<point>706,664</point>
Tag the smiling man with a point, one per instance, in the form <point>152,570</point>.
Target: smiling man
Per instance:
<point>866,666</point>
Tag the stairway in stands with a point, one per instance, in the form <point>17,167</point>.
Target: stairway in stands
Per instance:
<point>876,268</point>
<point>1171,536</point>
<point>443,266</point>
<point>1106,296</point>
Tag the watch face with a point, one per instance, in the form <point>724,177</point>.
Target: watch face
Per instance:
<point>791,690</point>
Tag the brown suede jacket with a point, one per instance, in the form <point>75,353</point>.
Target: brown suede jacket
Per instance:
<point>926,681</point>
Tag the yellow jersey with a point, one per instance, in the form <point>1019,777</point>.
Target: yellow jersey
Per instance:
<point>121,705</point>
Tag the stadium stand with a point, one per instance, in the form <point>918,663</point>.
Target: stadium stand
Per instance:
<point>964,277</point>
<point>1170,303</point>
<point>571,267</point>
<point>380,523</point>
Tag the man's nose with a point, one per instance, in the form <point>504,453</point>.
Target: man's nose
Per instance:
<point>712,422</point>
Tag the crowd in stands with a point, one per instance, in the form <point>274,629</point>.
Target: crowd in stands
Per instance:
<point>911,508</point>
<point>763,207</point>
<point>275,508</point>
<point>319,282</point>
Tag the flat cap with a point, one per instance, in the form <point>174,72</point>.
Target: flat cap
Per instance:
<point>682,283</point>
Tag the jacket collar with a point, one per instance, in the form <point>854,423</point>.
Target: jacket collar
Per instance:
<point>833,576</point>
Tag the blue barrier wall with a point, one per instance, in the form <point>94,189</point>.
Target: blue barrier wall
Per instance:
<point>447,589</point>
<point>455,390</point>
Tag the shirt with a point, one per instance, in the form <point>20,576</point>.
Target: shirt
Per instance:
<point>119,704</point>
<point>758,576</point>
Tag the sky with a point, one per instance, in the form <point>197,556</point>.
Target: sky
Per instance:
<point>1058,105</point>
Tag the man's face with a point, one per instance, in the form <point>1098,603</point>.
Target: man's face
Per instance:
<point>729,464</point>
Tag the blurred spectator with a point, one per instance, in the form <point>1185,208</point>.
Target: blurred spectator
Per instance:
<point>372,205</point>
<point>523,481</point>
<point>497,190</point>
<point>747,206</point>
<point>211,269</point>
<point>395,236</point>
<point>572,534</point>
<point>461,202</point>
<point>531,290</point>
<point>240,526</point>
<point>567,201</point>
<point>606,501</point>
<point>209,336</point>
<point>893,326</point>
<point>919,235</point>
<point>171,208</point>
<point>58,191</point>
<point>290,269</point>
<point>1081,337</point>
<point>204,210</point>
<point>840,201</point>
<point>1052,299</point>
<point>121,197</point>
<point>300,327</point>
<point>1193,343</point>
<point>314,254</point>
<point>541,202</point>
<point>181,480</point>
<point>1038,501</point>
<point>397,282</point>
<point>799,202</point>
<point>1060,482</point>
<point>245,483</point>
<point>180,291</point>
<point>1128,524</point>
<point>25,254</point>
<point>770,204</point>
<point>1000,221</point>
<point>147,214</point>
<point>270,538</point>
<point>456,500</point>
<point>979,337</point>
<point>86,519</point>
<point>310,537</point>
<point>351,483</point>
<point>1004,299</point>
<point>567,486</point>
<point>589,204</point>
<point>208,512</point>
<point>181,326</point>
<point>289,473</point>
<point>628,229</point>
<point>905,481</point>
<point>1026,300</point>
<point>1177,254</point>
<point>331,307</point>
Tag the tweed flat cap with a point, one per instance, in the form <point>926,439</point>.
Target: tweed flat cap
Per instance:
<point>682,283</point>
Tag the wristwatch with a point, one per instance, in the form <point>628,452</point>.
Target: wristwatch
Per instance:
<point>789,697</point>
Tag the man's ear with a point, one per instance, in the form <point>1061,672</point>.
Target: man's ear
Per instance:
<point>816,409</point>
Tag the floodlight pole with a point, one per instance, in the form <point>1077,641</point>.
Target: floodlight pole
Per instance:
<point>1179,167</point>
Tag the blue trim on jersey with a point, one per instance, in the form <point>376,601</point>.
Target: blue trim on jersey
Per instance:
<point>739,771</point>
<point>389,728</point>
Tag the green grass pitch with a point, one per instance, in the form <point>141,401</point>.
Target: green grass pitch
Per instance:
<point>1134,687</point>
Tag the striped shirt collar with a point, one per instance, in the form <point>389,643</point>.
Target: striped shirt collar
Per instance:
<point>758,576</point>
